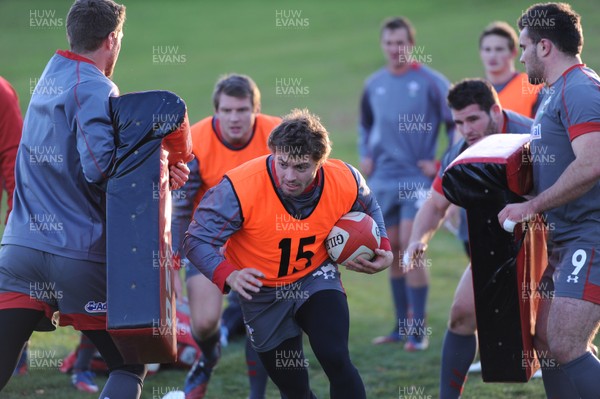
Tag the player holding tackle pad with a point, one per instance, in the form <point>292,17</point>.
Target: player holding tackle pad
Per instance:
<point>54,247</point>
<point>477,113</point>
<point>567,190</point>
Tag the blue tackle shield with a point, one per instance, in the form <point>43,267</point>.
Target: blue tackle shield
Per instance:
<point>151,132</point>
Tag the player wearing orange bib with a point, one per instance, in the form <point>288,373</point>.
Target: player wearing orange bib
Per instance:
<point>237,133</point>
<point>273,253</point>
<point>498,50</point>
<point>275,213</point>
<point>217,155</point>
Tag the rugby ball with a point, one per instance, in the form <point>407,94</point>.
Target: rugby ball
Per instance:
<point>355,235</point>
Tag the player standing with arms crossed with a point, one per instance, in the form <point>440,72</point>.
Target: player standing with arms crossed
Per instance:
<point>567,192</point>
<point>402,107</point>
<point>264,259</point>
<point>66,265</point>
<point>477,113</point>
<point>237,133</point>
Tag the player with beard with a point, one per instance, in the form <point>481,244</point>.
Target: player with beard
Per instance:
<point>477,113</point>
<point>567,192</point>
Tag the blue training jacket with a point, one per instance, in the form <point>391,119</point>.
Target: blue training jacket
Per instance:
<point>67,147</point>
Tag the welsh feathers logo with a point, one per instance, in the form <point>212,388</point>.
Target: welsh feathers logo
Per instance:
<point>413,88</point>
<point>95,307</point>
<point>545,104</point>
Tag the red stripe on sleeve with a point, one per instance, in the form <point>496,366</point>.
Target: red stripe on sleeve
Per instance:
<point>583,128</point>
<point>385,244</point>
<point>437,185</point>
<point>223,270</point>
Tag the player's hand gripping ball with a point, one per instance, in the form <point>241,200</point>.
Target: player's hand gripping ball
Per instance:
<point>355,235</point>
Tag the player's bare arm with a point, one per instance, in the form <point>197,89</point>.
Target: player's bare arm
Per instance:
<point>244,281</point>
<point>427,221</point>
<point>429,167</point>
<point>576,180</point>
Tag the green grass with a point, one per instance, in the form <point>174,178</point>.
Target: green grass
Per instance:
<point>385,369</point>
<point>333,55</point>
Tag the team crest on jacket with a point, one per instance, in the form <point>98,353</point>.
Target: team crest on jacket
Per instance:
<point>413,88</point>
<point>544,106</point>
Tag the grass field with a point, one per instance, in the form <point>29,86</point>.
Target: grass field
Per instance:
<point>328,58</point>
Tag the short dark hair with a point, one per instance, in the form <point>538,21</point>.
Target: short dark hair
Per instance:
<point>238,86</point>
<point>503,29</point>
<point>393,23</point>
<point>89,22</point>
<point>557,22</point>
<point>301,133</point>
<point>472,91</point>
